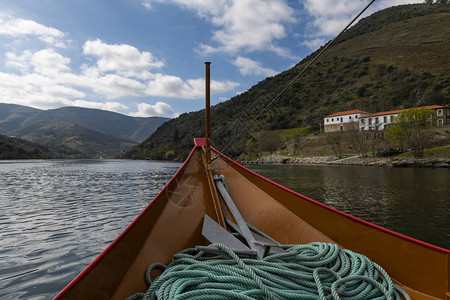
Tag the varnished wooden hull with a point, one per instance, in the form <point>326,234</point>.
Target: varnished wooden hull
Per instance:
<point>173,221</point>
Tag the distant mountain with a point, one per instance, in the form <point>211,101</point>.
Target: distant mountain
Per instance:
<point>87,132</point>
<point>83,142</point>
<point>395,58</point>
<point>11,116</point>
<point>16,120</point>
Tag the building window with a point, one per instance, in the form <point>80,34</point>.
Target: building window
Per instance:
<point>362,121</point>
<point>356,117</point>
<point>376,120</point>
<point>328,120</point>
<point>385,119</point>
<point>350,117</point>
<point>392,119</point>
<point>342,119</point>
<point>370,121</point>
<point>440,112</point>
<point>342,128</point>
<point>440,122</point>
<point>332,120</point>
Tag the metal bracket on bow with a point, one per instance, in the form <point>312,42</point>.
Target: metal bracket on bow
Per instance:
<point>257,245</point>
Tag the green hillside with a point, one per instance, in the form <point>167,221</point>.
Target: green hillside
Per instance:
<point>15,148</point>
<point>396,58</point>
<point>11,116</point>
<point>16,120</point>
<point>82,142</point>
<point>77,132</point>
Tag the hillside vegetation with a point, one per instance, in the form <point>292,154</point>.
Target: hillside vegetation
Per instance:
<point>76,132</point>
<point>396,58</point>
<point>14,148</point>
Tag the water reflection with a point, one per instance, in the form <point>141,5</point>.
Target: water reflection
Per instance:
<point>57,216</point>
<point>412,201</point>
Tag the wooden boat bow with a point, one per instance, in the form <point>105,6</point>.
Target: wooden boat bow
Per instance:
<point>173,221</point>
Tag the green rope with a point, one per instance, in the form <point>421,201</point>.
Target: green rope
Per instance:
<point>312,271</point>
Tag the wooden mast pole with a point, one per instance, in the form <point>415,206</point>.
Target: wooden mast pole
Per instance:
<point>207,112</point>
<point>207,151</point>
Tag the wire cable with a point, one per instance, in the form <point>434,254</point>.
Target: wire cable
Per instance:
<point>292,81</point>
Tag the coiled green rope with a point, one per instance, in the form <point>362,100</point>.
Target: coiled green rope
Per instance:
<point>312,271</point>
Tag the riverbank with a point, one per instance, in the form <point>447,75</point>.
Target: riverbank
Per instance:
<point>397,161</point>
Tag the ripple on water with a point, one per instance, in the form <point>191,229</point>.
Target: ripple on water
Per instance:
<point>57,216</point>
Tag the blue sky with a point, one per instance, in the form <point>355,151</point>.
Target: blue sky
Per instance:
<point>146,57</point>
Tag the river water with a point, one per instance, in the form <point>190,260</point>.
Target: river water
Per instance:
<point>411,201</point>
<point>56,216</point>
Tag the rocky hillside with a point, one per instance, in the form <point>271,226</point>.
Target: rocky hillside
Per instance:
<point>395,58</point>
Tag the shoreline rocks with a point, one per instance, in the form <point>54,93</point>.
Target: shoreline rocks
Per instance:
<point>427,162</point>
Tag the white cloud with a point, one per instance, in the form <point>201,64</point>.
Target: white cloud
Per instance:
<point>331,16</point>
<point>123,59</point>
<point>49,62</point>
<point>59,91</point>
<point>46,79</point>
<point>114,86</point>
<point>243,25</point>
<point>314,43</point>
<point>13,87</point>
<point>148,110</point>
<point>175,87</point>
<point>147,4</point>
<point>248,66</point>
<point>111,106</point>
<point>203,8</point>
<point>15,27</point>
<point>252,25</point>
<point>168,86</point>
<point>19,62</point>
<point>221,86</point>
<point>43,77</point>
<point>46,62</point>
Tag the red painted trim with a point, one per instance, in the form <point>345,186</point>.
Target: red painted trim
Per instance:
<point>354,219</point>
<point>200,142</point>
<point>96,261</point>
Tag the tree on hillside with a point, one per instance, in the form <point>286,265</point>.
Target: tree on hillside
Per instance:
<point>413,126</point>
<point>269,141</point>
<point>397,135</point>
<point>357,138</point>
<point>335,140</point>
<point>375,140</point>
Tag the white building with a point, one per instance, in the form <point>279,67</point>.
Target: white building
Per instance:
<point>341,121</point>
<point>379,121</point>
<point>382,120</point>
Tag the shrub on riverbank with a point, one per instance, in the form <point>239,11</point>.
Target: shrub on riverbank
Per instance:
<point>443,151</point>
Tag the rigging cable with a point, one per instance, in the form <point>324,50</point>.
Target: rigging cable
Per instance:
<point>292,81</point>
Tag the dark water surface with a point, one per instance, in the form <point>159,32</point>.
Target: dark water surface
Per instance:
<point>411,201</point>
<point>57,216</point>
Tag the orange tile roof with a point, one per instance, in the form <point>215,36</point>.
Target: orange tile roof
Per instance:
<point>402,110</point>
<point>348,112</point>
